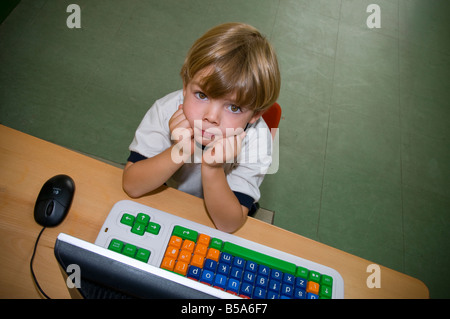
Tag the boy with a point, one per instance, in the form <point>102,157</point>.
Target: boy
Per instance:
<point>194,139</point>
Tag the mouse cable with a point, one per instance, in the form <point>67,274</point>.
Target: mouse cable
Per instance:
<point>31,265</point>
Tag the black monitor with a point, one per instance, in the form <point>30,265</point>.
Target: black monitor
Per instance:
<point>104,274</point>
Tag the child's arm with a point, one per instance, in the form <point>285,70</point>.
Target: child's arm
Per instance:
<point>222,204</point>
<point>147,175</point>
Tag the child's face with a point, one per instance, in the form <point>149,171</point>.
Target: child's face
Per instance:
<point>212,115</point>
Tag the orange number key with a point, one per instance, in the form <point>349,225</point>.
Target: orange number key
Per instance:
<point>185,256</point>
<point>313,287</point>
<point>213,254</point>
<point>188,245</point>
<point>200,250</point>
<point>181,268</point>
<point>197,261</point>
<point>175,241</point>
<point>203,239</point>
<point>168,263</point>
<point>171,252</point>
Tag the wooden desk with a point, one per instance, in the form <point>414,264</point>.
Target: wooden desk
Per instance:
<point>26,163</point>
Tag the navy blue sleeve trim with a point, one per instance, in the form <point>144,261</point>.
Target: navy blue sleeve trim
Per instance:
<point>244,199</point>
<point>135,157</point>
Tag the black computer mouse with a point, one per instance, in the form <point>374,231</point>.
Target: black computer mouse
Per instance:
<point>54,200</point>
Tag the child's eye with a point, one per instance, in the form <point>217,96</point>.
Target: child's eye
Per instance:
<point>201,96</point>
<point>234,108</point>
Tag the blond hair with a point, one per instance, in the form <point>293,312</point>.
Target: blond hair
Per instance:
<point>240,61</point>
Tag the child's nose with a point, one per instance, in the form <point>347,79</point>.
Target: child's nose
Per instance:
<point>212,114</point>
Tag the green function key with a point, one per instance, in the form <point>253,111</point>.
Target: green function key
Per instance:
<point>259,258</point>
<point>185,233</point>
<point>142,255</point>
<point>216,243</point>
<point>325,292</point>
<point>326,280</point>
<point>129,250</point>
<point>116,245</point>
<point>302,272</point>
<point>314,276</point>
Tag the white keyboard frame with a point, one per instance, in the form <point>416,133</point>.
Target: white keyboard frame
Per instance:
<point>156,244</point>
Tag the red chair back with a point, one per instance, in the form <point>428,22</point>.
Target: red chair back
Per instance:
<point>272,117</point>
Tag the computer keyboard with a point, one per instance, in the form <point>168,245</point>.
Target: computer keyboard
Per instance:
<point>224,261</point>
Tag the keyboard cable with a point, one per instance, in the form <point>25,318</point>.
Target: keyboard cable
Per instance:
<point>31,266</point>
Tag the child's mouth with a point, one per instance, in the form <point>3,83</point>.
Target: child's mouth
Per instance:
<point>207,135</point>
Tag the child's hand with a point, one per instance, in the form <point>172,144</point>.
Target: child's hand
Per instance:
<point>182,134</point>
<point>224,150</point>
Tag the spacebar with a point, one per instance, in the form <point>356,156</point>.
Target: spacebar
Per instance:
<point>259,258</point>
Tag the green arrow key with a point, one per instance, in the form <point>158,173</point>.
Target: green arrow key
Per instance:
<point>127,219</point>
<point>153,228</point>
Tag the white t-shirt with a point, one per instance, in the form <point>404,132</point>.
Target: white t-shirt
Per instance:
<point>244,177</point>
